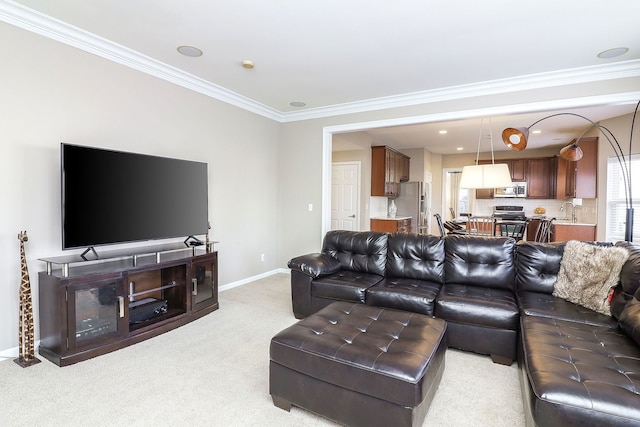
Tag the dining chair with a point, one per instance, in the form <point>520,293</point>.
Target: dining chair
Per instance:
<point>440,225</point>
<point>515,229</point>
<point>481,225</point>
<point>544,230</point>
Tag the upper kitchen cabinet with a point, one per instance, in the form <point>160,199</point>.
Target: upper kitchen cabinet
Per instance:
<point>518,169</point>
<point>388,169</point>
<point>539,178</point>
<point>578,179</point>
<point>535,171</point>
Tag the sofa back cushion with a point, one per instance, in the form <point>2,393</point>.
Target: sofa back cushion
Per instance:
<point>537,266</point>
<point>414,256</point>
<point>361,251</point>
<point>630,318</point>
<point>629,279</point>
<point>480,261</point>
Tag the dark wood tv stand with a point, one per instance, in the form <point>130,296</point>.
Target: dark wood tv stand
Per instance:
<point>89,308</point>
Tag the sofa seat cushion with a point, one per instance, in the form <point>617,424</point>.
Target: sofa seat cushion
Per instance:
<point>580,374</point>
<point>546,305</point>
<point>344,285</point>
<point>479,306</point>
<point>413,295</point>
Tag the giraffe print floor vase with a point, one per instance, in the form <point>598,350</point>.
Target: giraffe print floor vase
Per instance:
<point>26,353</point>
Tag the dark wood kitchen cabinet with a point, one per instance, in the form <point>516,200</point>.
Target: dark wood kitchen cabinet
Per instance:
<point>388,169</point>
<point>539,178</point>
<point>578,179</point>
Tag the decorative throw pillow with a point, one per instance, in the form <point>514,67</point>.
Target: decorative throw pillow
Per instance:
<point>587,274</point>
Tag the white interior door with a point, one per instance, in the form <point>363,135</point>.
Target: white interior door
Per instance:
<point>345,196</point>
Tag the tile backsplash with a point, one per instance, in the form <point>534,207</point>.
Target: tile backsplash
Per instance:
<point>587,213</point>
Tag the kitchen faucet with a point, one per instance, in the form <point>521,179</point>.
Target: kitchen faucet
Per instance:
<point>573,210</point>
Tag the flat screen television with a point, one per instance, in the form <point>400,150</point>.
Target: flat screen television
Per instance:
<point>113,197</point>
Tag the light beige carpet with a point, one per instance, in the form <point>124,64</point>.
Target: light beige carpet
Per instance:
<point>214,372</point>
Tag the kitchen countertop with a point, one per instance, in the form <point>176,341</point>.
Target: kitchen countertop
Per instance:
<point>397,218</point>
<point>568,222</point>
<point>565,221</point>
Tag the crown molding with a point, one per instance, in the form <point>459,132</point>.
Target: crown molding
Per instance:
<point>47,26</point>
<point>589,74</point>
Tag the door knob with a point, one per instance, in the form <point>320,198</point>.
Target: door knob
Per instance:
<point>352,216</point>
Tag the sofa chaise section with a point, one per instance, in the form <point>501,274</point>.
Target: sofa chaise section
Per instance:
<point>578,367</point>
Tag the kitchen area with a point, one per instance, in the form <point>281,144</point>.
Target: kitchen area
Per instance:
<point>543,188</point>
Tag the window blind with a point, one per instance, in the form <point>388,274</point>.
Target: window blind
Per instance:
<point>616,199</point>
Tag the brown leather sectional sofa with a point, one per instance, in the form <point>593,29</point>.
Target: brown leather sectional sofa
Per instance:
<point>578,367</point>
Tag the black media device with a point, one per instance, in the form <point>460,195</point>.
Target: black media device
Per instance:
<point>145,309</point>
<point>117,197</point>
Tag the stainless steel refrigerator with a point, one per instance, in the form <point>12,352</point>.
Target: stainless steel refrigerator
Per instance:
<point>413,202</point>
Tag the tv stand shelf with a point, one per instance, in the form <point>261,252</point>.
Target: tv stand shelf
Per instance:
<point>134,256</point>
<point>105,304</point>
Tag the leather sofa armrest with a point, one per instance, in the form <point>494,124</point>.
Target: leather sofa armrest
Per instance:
<point>315,265</point>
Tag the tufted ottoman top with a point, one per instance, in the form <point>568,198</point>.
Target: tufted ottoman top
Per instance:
<point>380,352</point>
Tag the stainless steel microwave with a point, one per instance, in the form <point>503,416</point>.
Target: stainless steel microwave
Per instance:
<point>518,189</point>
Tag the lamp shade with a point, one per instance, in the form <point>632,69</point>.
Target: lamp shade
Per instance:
<point>515,138</point>
<point>571,152</point>
<point>486,176</point>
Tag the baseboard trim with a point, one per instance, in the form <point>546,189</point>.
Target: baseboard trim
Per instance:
<point>13,353</point>
<point>253,279</point>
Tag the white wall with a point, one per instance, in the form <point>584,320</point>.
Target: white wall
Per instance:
<point>51,93</point>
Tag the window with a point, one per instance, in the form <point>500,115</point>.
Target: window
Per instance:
<point>616,199</point>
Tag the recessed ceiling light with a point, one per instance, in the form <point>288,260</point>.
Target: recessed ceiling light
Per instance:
<point>442,132</point>
<point>460,148</point>
<point>612,53</point>
<point>191,51</point>
<point>536,131</point>
<point>248,64</point>
<point>297,104</point>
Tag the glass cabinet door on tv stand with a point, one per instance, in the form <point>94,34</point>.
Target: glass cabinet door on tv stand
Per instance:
<point>204,281</point>
<point>96,313</point>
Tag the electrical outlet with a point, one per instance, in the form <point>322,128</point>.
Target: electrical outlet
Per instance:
<point>261,257</point>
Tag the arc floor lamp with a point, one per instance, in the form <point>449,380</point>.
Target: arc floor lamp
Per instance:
<point>516,139</point>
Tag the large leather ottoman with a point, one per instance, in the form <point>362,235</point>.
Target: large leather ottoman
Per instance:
<point>359,365</point>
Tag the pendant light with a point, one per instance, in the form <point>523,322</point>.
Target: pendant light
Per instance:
<point>485,176</point>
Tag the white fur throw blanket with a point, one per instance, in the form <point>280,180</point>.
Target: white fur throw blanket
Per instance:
<point>587,274</point>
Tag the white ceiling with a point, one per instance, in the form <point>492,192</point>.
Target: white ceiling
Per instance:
<point>345,55</point>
